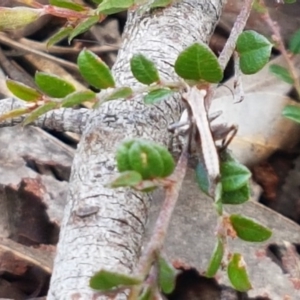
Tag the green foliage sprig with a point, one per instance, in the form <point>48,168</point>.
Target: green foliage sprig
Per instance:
<point>79,17</point>
<point>145,165</point>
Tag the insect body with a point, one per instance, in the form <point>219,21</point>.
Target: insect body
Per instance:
<point>196,119</point>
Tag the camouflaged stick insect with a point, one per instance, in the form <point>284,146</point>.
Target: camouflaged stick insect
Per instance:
<point>196,118</point>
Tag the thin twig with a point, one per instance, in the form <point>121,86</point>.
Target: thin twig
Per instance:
<point>157,239</point>
<point>230,45</point>
<point>65,50</point>
<point>278,39</point>
<point>4,39</point>
<point>236,30</point>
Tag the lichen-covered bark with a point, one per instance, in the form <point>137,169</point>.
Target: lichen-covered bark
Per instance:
<point>103,228</point>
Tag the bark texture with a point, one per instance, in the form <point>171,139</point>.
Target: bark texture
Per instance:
<point>103,228</point>
<point>64,119</point>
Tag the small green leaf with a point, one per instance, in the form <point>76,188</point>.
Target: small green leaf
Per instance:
<point>17,17</point>
<point>238,196</point>
<point>294,45</point>
<point>258,7</point>
<point>122,156</point>
<point>233,176</point>
<point>77,98</point>
<point>282,73</point>
<point>215,260</point>
<point>105,280</point>
<point>166,276</point>
<point>60,35</point>
<point>145,159</point>
<point>249,230</point>
<point>143,69</point>
<point>83,26</point>
<point>39,112</point>
<point>69,4</point>
<point>161,3</point>
<point>127,178</point>
<point>157,95</point>
<point>289,1</point>
<point>119,93</point>
<point>202,178</point>
<point>237,273</point>
<point>53,85</point>
<point>198,62</point>
<point>108,7</point>
<point>167,159</point>
<point>14,113</point>
<point>292,112</point>
<point>149,159</point>
<point>254,50</point>
<point>94,70</point>
<point>23,91</point>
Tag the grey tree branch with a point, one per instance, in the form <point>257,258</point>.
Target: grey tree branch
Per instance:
<point>64,119</point>
<point>111,237</point>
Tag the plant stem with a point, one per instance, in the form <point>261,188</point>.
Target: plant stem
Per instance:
<point>157,239</point>
<point>64,12</point>
<point>236,30</point>
<point>278,39</point>
<point>230,45</point>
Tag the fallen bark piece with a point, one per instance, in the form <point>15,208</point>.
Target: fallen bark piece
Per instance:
<point>34,169</point>
<point>25,271</point>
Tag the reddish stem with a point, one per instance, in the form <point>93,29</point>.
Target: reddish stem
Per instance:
<point>64,13</point>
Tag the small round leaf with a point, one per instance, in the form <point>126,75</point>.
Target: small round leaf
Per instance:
<point>198,62</point>
<point>237,273</point>
<point>249,230</point>
<point>167,159</point>
<point>53,85</point>
<point>215,260</point>
<point>119,93</point>
<point>282,73</point>
<point>157,95</point>
<point>166,276</point>
<point>23,91</point>
<point>105,280</point>
<point>254,50</point>
<point>39,112</point>
<point>59,35</point>
<point>108,7</point>
<point>233,175</point>
<point>77,98</point>
<point>69,4</point>
<point>238,196</point>
<point>94,70</point>
<point>292,112</point>
<point>14,113</point>
<point>146,160</point>
<point>122,156</point>
<point>294,45</point>
<point>143,69</point>
<point>161,3</point>
<point>83,26</point>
